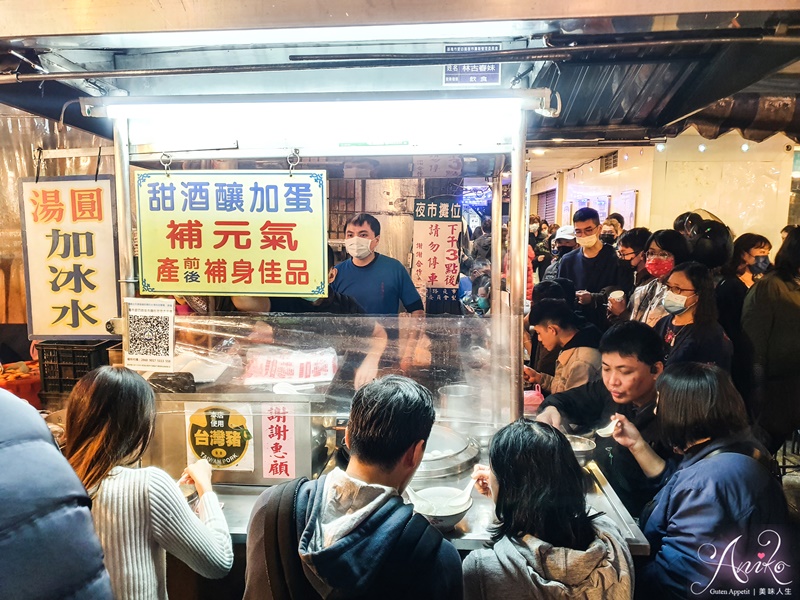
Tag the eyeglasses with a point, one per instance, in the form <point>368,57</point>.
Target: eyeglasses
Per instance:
<point>625,255</point>
<point>679,290</point>
<point>585,232</point>
<point>653,254</point>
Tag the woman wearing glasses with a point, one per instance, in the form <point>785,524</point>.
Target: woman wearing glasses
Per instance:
<point>665,249</point>
<point>690,331</point>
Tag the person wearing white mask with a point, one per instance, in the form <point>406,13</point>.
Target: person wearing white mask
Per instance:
<point>377,282</point>
<point>593,268</point>
<point>690,331</point>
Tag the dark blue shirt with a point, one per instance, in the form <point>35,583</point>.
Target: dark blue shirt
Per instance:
<point>379,287</point>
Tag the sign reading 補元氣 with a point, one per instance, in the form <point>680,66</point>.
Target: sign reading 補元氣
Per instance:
<point>71,268</point>
<point>206,233</point>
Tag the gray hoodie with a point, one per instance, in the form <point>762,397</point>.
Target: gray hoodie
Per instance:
<point>531,568</point>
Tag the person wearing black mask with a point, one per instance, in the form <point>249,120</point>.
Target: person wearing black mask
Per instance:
<point>610,232</point>
<point>631,252</point>
<point>737,278</point>
<point>563,243</point>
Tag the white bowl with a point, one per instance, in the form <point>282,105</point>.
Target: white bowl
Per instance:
<point>442,515</point>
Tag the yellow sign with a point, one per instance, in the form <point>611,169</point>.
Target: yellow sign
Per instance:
<point>221,434</point>
<point>71,270</point>
<point>206,233</point>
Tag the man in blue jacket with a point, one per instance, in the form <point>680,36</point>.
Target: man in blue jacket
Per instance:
<point>353,536</point>
<point>48,546</point>
<point>377,282</point>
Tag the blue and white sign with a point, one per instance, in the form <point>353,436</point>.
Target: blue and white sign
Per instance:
<point>479,195</point>
<point>472,74</point>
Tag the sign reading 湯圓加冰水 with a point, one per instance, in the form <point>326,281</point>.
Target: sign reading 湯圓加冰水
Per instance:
<point>207,233</point>
<point>435,266</point>
<point>71,268</point>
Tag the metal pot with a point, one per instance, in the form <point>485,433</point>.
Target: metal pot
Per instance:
<point>458,403</point>
<point>583,448</point>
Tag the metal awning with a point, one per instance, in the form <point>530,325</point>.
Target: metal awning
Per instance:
<point>620,78</point>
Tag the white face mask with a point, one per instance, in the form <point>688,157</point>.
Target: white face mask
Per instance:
<point>533,228</point>
<point>587,241</point>
<point>358,247</point>
<point>675,304</point>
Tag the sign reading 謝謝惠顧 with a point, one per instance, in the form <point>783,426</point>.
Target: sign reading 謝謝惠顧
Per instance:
<point>69,245</point>
<point>207,233</point>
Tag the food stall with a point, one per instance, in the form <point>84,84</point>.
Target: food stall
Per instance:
<point>264,397</point>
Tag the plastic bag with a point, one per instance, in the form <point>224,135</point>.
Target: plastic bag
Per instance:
<point>533,399</point>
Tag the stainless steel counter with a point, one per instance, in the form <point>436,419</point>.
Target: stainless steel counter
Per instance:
<point>471,532</point>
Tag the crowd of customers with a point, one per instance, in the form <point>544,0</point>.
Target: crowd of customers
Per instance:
<point>684,341</point>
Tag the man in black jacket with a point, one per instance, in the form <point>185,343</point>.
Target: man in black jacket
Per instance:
<point>349,534</point>
<point>593,268</point>
<point>633,358</point>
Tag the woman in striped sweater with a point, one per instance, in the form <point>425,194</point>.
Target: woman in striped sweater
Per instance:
<point>139,514</point>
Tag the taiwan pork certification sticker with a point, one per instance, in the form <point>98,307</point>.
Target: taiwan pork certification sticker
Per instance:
<point>220,433</point>
<point>150,343</point>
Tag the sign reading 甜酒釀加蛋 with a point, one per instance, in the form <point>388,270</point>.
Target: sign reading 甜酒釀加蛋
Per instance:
<point>238,233</point>
<point>437,224</point>
<point>71,267</point>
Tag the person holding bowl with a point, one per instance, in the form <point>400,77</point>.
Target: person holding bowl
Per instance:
<point>546,544</point>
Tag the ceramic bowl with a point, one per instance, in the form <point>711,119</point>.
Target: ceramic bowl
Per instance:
<point>442,515</point>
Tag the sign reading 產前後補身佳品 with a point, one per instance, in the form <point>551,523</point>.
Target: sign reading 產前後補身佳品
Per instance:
<point>71,267</point>
<point>207,233</point>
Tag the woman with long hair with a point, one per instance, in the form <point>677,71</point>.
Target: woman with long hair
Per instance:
<point>721,493</point>
<point>690,331</point>
<point>545,544</point>
<point>771,322</point>
<point>139,514</point>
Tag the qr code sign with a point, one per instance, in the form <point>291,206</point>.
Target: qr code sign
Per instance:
<point>148,335</point>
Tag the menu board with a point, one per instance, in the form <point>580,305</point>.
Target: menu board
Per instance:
<point>212,233</point>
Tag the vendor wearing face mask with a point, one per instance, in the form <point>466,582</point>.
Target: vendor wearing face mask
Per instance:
<point>378,283</point>
<point>594,269</point>
<point>690,331</point>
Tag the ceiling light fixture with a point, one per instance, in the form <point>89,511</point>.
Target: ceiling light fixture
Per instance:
<point>702,147</point>
<point>538,151</point>
<point>661,147</point>
<point>745,147</point>
<point>357,124</point>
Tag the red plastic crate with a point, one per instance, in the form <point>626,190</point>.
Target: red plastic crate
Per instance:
<point>27,389</point>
